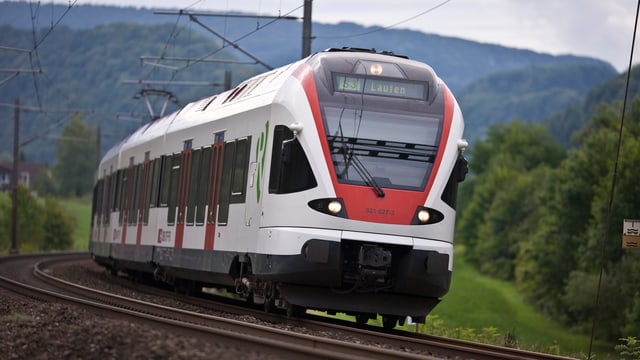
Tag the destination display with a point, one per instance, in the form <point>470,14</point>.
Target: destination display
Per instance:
<point>381,87</point>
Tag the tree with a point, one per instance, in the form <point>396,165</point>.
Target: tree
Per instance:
<point>502,199</point>
<point>76,158</point>
<point>30,217</point>
<point>58,226</point>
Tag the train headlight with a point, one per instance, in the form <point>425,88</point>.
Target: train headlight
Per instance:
<point>329,206</point>
<point>334,206</point>
<point>425,216</point>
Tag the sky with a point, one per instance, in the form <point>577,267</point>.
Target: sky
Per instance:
<point>601,29</point>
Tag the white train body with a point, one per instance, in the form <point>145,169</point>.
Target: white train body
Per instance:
<point>328,183</point>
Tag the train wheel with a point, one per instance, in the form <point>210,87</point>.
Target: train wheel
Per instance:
<point>389,321</point>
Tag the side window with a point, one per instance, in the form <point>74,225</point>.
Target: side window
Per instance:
<point>135,192</point>
<point>123,194</point>
<point>115,192</point>
<point>106,199</point>
<point>164,181</point>
<point>96,208</point>
<point>290,168</point>
<point>240,171</point>
<point>174,181</point>
<point>225,185</point>
<point>153,180</point>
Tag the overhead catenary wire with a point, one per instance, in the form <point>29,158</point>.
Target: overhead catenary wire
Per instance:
<point>34,57</point>
<point>605,239</point>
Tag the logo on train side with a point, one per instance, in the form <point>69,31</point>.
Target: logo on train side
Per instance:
<point>261,151</point>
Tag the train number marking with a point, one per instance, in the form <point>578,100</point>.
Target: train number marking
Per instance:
<point>374,211</point>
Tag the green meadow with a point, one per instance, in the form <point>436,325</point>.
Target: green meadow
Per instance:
<point>478,305</point>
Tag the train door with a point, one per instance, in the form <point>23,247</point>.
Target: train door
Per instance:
<point>213,193</point>
<point>183,191</point>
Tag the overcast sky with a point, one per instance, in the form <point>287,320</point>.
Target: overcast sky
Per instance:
<point>598,28</point>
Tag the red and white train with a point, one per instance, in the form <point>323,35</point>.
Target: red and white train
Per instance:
<point>327,184</point>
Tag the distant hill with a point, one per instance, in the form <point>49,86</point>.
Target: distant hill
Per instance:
<point>94,48</point>
<point>533,93</point>
<point>565,122</point>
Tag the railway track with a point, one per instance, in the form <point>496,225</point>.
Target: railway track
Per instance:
<point>45,286</point>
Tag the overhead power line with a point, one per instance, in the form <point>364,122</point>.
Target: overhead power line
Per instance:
<point>209,13</point>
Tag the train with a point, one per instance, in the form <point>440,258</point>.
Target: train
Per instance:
<point>328,184</point>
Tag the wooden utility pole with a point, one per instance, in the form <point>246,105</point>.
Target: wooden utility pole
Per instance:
<point>14,179</point>
<point>306,29</point>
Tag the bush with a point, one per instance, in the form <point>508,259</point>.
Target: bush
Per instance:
<point>630,350</point>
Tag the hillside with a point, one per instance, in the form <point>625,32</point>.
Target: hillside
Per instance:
<point>564,123</point>
<point>533,94</point>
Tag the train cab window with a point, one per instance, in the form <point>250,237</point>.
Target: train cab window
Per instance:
<point>458,174</point>
<point>290,169</point>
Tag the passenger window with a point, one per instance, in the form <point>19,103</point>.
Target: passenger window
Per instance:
<point>164,181</point>
<point>174,181</point>
<point>240,170</point>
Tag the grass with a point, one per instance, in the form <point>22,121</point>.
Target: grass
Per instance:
<point>480,302</point>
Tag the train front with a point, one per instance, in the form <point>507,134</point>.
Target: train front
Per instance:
<point>365,184</point>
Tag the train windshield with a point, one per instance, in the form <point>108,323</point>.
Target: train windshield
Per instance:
<point>383,149</point>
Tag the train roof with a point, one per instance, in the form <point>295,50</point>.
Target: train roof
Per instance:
<point>261,88</point>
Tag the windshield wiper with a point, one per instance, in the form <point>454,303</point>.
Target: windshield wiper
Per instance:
<point>362,170</point>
